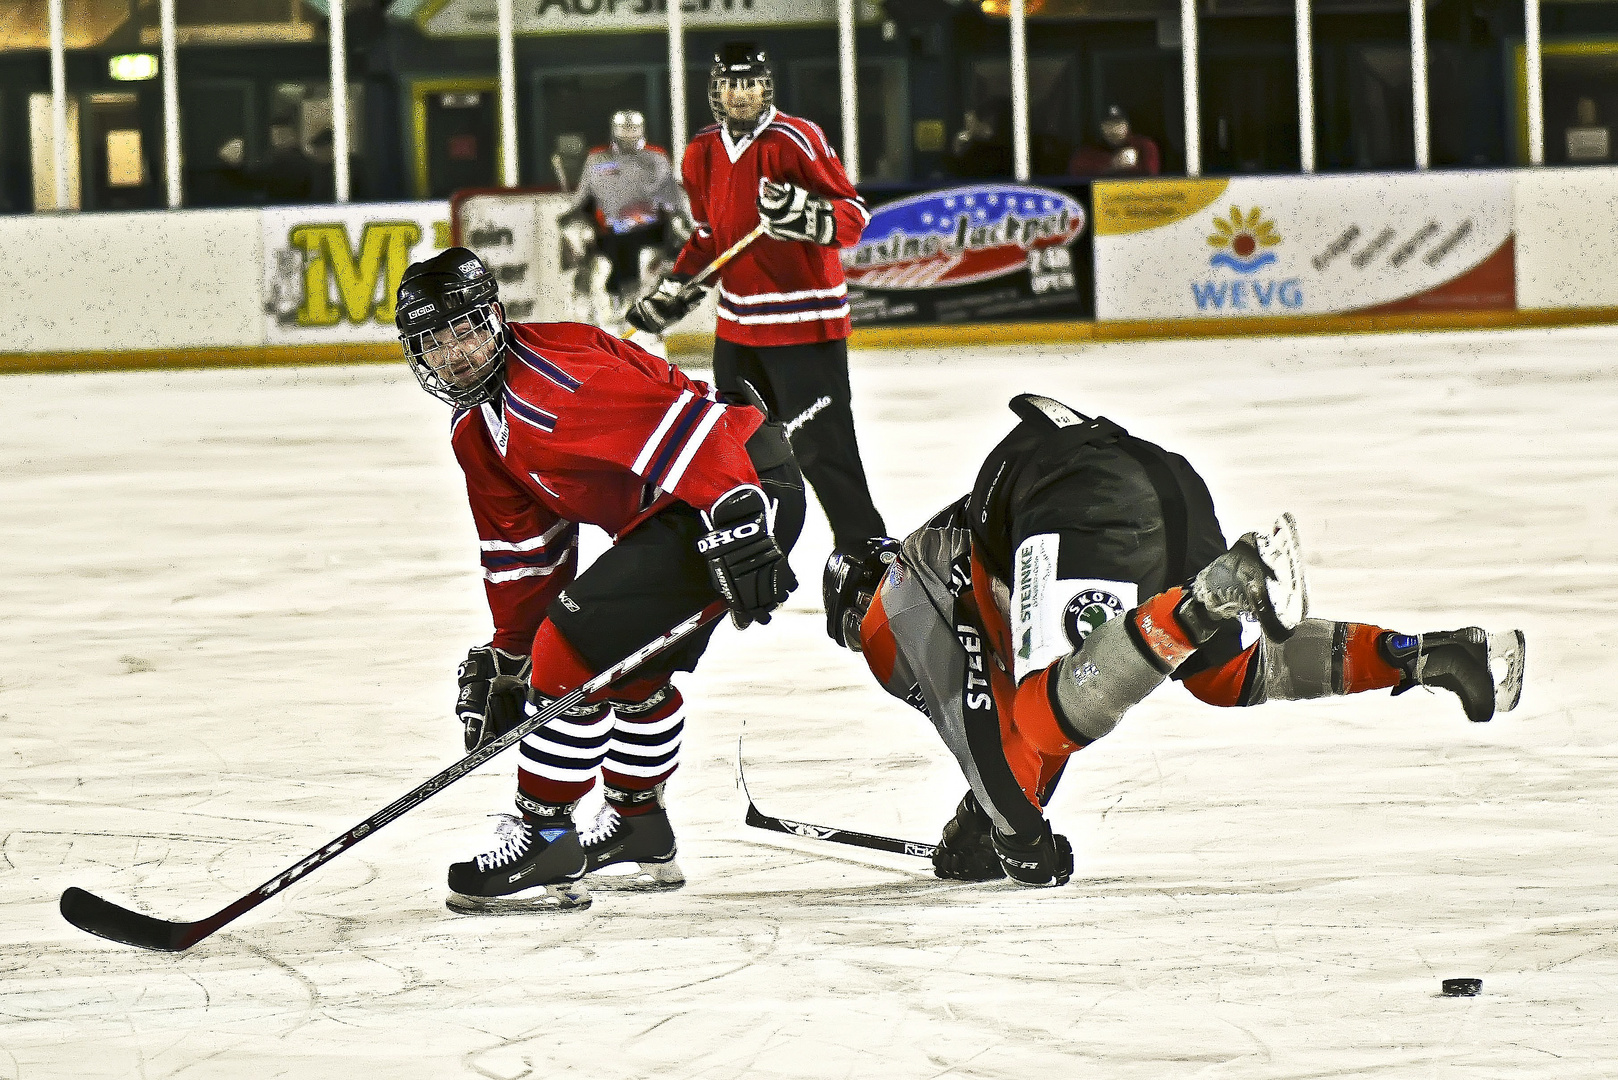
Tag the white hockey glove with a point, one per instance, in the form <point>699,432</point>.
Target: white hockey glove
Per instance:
<point>745,563</point>
<point>494,689</point>
<point>791,213</point>
<point>671,301</point>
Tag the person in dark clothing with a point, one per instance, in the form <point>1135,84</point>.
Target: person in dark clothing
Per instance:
<point>1121,152</point>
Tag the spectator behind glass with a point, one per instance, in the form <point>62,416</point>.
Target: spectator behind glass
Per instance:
<point>982,148</point>
<point>288,177</point>
<point>1589,140</point>
<point>322,156</point>
<point>228,182</point>
<point>1121,153</point>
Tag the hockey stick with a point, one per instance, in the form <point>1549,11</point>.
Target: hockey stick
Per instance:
<point>108,920</point>
<point>724,257</point>
<point>760,820</point>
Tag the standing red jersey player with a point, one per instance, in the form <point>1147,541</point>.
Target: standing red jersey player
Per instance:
<point>557,424</point>
<point>783,306</point>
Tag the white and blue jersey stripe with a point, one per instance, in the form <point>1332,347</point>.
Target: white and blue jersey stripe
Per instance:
<point>530,414</point>
<point>536,556</point>
<point>804,305</point>
<point>665,456</point>
<point>529,358</point>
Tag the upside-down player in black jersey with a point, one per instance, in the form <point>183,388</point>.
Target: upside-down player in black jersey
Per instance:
<point>1085,568</point>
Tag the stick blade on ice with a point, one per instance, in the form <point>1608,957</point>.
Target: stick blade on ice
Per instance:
<point>105,919</point>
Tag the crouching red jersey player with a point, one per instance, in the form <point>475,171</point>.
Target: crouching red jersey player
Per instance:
<point>558,424</point>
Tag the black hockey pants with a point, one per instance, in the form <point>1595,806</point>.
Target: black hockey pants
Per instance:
<point>653,577</point>
<point>806,387</point>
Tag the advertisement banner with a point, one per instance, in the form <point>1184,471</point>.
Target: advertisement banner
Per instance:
<point>1312,245</point>
<point>516,235</point>
<point>330,272</point>
<point>977,253</point>
<point>479,18</point>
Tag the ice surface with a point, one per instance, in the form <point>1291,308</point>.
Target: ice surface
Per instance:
<point>234,601</point>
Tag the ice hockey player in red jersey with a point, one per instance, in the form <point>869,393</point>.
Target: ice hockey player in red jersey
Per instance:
<point>1085,568</point>
<point>558,424</point>
<point>783,306</point>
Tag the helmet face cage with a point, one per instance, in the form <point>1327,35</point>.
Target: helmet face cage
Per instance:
<point>739,68</point>
<point>628,130</point>
<point>461,362</point>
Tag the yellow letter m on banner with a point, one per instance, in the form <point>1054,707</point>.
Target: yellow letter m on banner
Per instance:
<point>366,284</point>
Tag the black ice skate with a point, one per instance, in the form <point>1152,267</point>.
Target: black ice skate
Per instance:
<point>1484,670</point>
<point>1262,575</point>
<point>631,854</point>
<point>535,867</point>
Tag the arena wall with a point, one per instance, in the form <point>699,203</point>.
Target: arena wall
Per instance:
<point>313,284</point>
<point>1569,218</point>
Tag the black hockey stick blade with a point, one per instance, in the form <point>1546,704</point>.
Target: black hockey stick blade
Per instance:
<point>105,919</point>
<point>760,820</point>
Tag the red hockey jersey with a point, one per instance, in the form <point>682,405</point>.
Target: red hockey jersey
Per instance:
<point>776,292</point>
<point>588,429</point>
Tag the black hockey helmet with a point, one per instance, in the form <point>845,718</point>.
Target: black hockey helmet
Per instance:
<point>739,63</point>
<point>848,585</point>
<point>452,332</point>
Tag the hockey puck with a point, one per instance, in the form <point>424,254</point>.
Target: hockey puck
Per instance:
<point>1462,987</point>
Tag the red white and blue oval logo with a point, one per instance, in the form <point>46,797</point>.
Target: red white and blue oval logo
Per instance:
<point>960,235</point>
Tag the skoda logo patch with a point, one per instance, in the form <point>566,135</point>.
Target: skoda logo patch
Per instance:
<point>1088,610</point>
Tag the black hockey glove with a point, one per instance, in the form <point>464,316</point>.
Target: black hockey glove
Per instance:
<point>665,305</point>
<point>1043,860</point>
<point>745,563</point>
<point>494,688</point>
<point>966,853</point>
<point>791,213</point>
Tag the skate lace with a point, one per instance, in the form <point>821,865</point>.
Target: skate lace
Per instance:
<point>604,825</point>
<point>513,835</point>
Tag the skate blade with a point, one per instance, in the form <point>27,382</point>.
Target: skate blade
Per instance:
<point>1507,653</point>
<point>1282,551</point>
<point>637,877</point>
<point>563,896</point>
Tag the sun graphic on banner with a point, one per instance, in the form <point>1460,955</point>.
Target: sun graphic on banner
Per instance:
<point>1241,240</point>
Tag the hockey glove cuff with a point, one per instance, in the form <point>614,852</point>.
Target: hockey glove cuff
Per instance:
<point>494,689</point>
<point>746,565</point>
<point>791,213</point>
<point>671,301</point>
<point>966,852</point>
<point>1042,861</point>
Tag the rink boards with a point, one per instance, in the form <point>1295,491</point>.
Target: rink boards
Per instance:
<point>1341,253</point>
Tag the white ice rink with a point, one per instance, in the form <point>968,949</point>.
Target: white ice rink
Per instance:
<point>233,602</point>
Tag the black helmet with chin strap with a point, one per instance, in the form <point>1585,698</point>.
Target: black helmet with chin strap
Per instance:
<point>848,585</point>
<point>451,327</point>
<point>739,63</point>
